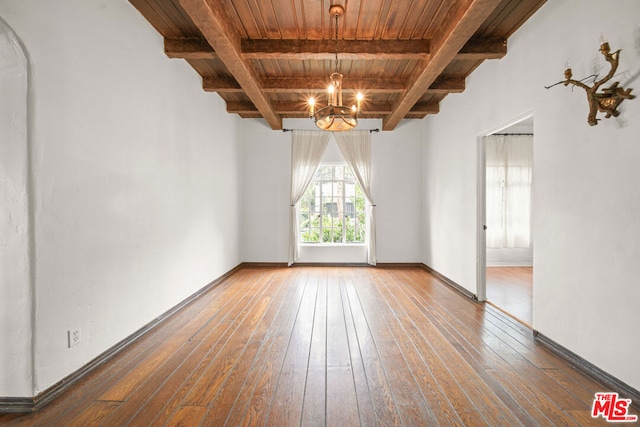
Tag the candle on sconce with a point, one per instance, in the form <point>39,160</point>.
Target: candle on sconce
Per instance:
<point>567,71</point>
<point>604,44</point>
<point>359,98</point>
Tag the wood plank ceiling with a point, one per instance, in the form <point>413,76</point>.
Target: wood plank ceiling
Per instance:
<point>265,58</point>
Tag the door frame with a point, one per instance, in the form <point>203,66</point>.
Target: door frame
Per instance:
<point>481,202</point>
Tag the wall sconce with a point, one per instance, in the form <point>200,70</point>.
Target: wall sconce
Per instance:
<point>610,98</point>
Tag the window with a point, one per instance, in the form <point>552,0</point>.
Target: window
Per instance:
<point>332,208</point>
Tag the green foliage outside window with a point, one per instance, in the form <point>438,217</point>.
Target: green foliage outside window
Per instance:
<point>332,209</point>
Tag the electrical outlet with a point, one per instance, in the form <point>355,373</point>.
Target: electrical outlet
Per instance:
<point>73,336</point>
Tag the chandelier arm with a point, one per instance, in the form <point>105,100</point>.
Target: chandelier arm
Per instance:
<point>612,59</point>
<point>576,83</point>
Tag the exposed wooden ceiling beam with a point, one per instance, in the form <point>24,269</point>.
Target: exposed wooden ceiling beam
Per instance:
<point>295,49</point>
<point>214,84</point>
<point>188,49</point>
<point>297,84</point>
<point>464,20</point>
<point>246,107</point>
<point>300,84</point>
<point>425,108</point>
<point>481,49</point>
<point>215,26</point>
<point>444,85</point>
<point>198,48</point>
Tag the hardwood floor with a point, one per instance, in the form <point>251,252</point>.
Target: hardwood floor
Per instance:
<point>329,346</point>
<point>511,289</point>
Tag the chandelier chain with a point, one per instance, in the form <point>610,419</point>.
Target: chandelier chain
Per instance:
<point>336,66</point>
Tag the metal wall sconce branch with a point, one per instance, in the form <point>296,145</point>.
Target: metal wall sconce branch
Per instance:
<point>610,98</point>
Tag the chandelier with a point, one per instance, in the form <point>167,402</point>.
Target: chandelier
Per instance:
<point>335,117</point>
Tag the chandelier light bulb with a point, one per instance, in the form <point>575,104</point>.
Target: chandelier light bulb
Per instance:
<point>312,103</point>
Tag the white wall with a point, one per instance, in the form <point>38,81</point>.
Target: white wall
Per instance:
<point>136,174</point>
<point>586,200</point>
<point>395,175</point>
<point>266,161</point>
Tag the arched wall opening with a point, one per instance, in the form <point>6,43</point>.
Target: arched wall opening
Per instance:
<point>16,295</point>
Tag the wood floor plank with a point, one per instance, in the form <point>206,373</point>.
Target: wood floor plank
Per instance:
<point>543,382</point>
<point>341,399</point>
<point>96,413</point>
<point>329,346</point>
<point>176,382</point>
<point>384,405</point>
<point>417,353</point>
<point>200,378</point>
<point>364,401</point>
<point>286,405</point>
<point>186,416</point>
<point>220,407</point>
<point>511,289</point>
<point>315,390</point>
<point>252,402</point>
<point>460,337</point>
<point>410,403</point>
<point>460,378</point>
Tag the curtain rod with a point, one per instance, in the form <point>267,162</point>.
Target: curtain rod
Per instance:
<point>509,134</point>
<point>289,130</point>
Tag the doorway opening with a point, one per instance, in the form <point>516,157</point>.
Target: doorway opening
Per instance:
<point>506,247</point>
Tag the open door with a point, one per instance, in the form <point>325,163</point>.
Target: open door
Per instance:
<point>505,238</point>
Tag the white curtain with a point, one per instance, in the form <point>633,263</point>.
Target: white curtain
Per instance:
<point>509,160</point>
<point>307,148</point>
<point>356,150</point>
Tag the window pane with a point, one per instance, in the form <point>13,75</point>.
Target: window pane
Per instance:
<point>337,189</point>
<point>348,174</point>
<point>360,233</point>
<point>326,235</point>
<point>349,190</point>
<point>349,208</point>
<point>327,173</point>
<point>337,235</point>
<point>304,220</point>
<point>332,209</point>
<point>311,236</point>
<point>327,189</point>
<point>339,173</point>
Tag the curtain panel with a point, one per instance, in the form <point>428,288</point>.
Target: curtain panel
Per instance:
<point>356,149</point>
<point>509,160</point>
<point>307,148</point>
